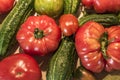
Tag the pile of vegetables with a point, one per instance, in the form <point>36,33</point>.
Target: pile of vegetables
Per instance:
<point>82,37</point>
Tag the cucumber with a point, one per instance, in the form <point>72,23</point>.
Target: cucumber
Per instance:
<point>71,6</point>
<point>104,19</point>
<point>11,24</point>
<point>63,62</point>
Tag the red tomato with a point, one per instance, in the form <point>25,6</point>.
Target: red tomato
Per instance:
<point>88,3</point>
<point>68,24</point>
<point>102,6</point>
<point>98,47</point>
<point>39,35</point>
<point>6,5</point>
<point>19,67</point>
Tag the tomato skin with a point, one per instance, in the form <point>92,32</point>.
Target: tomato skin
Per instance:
<point>88,3</point>
<point>88,52</point>
<point>113,50</point>
<point>51,8</point>
<point>39,46</point>
<point>68,24</point>
<point>88,46</point>
<point>19,67</point>
<point>102,6</point>
<point>83,74</point>
<point>6,6</point>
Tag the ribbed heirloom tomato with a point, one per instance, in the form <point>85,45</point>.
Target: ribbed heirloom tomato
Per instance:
<point>98,47</point>
<point>39,35</point>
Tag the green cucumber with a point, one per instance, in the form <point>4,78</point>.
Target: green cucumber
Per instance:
<point>14,43</point>
<point>63,62</point>
<point>71,6</point>
<point>104,19</point>
<point>11,24</point>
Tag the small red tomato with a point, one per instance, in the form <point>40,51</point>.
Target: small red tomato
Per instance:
<point>19,67</point>
<point>6,5</point>
<point>88,3</point>
<point>68,24</point>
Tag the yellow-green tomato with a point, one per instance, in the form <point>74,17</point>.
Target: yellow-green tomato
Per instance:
<point>51,8</point>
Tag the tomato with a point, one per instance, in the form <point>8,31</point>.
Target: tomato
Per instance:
<point>83,74</point>
<point>19,67</point>
<point>102,6</point>
<point>6,6</point>
<point>51,8</point>
<point>88,3</point>
<point>98,47</point>
<point>39,35</point>
<point>68,24</point>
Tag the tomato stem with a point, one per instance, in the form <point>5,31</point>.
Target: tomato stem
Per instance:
<point>38,33</point>
<point>104,44</point>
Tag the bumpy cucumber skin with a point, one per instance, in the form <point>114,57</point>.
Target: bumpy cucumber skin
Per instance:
<point>11,24</point>
<point>75,6</point>
<point>67,6</point>
<point>104,19</point>
<point>71,6</point>
<point>63,61</point>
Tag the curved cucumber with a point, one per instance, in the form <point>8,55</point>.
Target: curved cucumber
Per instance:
<point>71,6</point>
<point>63,61</point>
<point>12,23</point>
<point>104,19</point>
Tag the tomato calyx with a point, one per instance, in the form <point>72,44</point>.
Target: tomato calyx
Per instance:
<point>38,33</point>
<point>18,74</point>
<point>104,43</point>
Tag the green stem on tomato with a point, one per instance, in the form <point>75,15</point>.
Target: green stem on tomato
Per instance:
<point>104,44</point>
<point>38,33</point>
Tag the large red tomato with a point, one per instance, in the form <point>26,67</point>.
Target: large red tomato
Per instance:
<point>39,35</point>
<point>102,6</point>
<point>98,47</point>
<point>68,24</point>
<point>6,5</point>
<point>19,67</point>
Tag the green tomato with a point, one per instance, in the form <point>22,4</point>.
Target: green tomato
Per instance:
<point>51,8</point>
